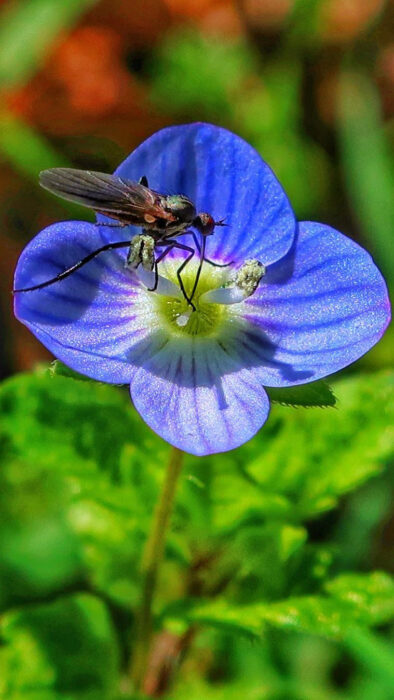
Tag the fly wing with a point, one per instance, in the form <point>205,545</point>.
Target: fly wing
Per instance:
<point>108,194</point>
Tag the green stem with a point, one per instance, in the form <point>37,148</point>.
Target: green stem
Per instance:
<point>151,561</point>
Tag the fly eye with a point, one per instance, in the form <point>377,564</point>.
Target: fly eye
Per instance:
<point>204,223</point>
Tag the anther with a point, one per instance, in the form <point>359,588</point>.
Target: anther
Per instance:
<point>249,276</point>
<point>240,287</point>
<point>141,251</point>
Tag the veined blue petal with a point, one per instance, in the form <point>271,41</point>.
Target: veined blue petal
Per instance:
<point>224,176</point>
<point>197,397</point>
<point>321,304</point>
<point>91,319</point>
<point>316,311</point>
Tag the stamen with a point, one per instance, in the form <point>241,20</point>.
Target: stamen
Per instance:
<point>141,260</point>
<point>249,276</point>
<point>141,251</point>
<point>239,288</point>
<point>164,286</point>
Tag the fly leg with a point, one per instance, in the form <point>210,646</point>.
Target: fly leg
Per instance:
<point>73,268</point>
<point>171,246</point>
<point>182,246</point>
<point>211,262</point>
<point>202,254</point>
<point>207,260</point>
<point>155,264</point>
<point>201,251</point>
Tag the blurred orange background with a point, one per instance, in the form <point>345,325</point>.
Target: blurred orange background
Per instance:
<point>310,84</point>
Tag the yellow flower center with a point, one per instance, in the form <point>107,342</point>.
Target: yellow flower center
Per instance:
<point>177,314</point>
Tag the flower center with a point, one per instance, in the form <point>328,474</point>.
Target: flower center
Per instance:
<point>177,314</point>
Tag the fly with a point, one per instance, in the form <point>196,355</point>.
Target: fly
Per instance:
<point>162,219</point>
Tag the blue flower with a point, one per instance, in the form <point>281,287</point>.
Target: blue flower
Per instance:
<point>197,378</point>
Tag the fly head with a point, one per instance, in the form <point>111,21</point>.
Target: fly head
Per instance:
<point>205,223</point>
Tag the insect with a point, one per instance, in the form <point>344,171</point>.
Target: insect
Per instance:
<point>162,218</point>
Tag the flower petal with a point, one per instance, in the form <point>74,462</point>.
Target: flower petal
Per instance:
<point>316,311</point>
<point>197,397</point>
<point>224,176</point>
<point>91,319</point>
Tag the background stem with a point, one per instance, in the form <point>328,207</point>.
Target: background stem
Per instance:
<point>151,561</point>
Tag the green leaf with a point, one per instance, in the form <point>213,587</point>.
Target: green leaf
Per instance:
<point>370,592</point>
<point>68,648</point>
<point>79,426</point>
<point>373,653</point>
<point>311,458</point>
<point>58,369</point>
<point>39,553</point>
<point>104,461</point>
<point>263,558</point>
<point>331,617</point>
<point>27,31</point>
<point>307,395</point>
<point>298,465</point>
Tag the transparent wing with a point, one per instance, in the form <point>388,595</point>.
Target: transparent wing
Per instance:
<point>102,192</point>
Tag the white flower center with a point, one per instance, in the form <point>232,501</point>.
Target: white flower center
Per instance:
<point>217,299</point>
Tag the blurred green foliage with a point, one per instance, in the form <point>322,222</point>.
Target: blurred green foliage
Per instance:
<point>66,648</point>
<point>242,557</point>
<point>368,163</point>
<point>353,599</point>
<point>27,30</point>
<point>25,148</point>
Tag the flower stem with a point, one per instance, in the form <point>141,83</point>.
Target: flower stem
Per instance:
<point>151,561</point>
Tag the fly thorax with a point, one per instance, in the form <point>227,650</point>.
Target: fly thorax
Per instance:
<point>180,207</point>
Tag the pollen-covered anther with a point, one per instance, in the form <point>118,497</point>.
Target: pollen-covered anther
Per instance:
<point>249,276</point>
<point>240,287</point>
<point>141,251</point>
